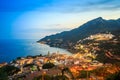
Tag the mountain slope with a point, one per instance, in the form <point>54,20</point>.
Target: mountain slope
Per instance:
<point>105,46</point>
<point>67,39</point>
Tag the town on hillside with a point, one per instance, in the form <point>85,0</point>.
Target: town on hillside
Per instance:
<point>83,65</point>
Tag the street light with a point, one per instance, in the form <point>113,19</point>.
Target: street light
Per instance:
<point>84,67</point>
<point>43,74</point>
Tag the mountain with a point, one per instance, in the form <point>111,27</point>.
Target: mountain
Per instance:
<point>68,39</point>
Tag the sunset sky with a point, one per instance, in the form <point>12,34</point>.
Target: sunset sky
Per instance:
<point>34,19</point>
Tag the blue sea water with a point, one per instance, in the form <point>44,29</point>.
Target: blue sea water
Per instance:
<point>11,49</point>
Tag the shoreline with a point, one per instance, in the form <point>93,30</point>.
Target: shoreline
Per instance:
<point>8,62</point>
<point>23,48</point>
<point>67,49</point>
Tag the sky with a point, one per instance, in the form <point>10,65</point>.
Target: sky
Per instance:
<point>34,19</point>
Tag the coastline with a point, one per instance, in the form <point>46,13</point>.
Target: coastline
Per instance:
<point>66,49</point>
<point>22,49</point>
<point>61,47</point>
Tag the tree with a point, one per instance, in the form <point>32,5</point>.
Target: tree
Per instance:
<point>115,76</point>
<point>3,75</point>
<point>48,65</point>
<point>84,74</point>
<point>48,77</point>
<point>6,71</point>
<point>28,65</point>
<point>61,77</point>
<point>10,70</point>
<point>18,58</point>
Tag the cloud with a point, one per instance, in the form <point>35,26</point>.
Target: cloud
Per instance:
<point>84,6</point>
<point>58,5</point>
<point>80,6</point>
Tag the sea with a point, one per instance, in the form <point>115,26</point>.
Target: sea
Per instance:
<point>13,48</point>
